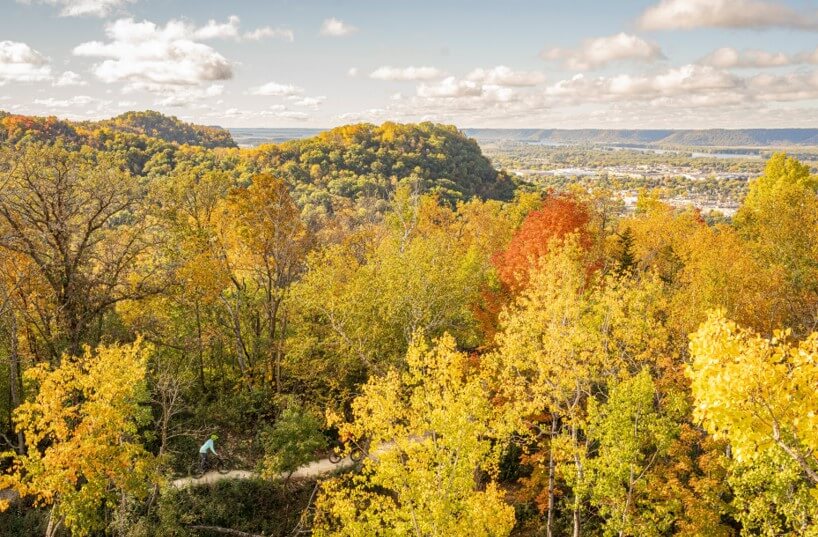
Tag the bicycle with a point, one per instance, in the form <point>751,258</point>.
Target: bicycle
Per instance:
<point>357,453</point>
<point>217,463</point>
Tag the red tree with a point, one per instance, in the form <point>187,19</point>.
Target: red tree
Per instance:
<point>559,216</point>
<point>540,231</point>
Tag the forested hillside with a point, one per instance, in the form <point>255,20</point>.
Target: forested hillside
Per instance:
<point>368,161</point>
<point>494,360</point>
<point>140,125</point>
<point>169,129</point>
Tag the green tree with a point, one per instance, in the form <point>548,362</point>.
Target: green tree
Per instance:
<point>631,432</point>
<point>293,441</point>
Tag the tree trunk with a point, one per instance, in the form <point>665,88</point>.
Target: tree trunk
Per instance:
<point>280,352</point>
<point>795,455</point>
<point>551,471</point>
<point>53,524</point>
<point>272,322</point>
<point>240,350</point>
<point>15,377</point>
<point>578,463</point>
<point>200,349</point>
<point>629,497</point>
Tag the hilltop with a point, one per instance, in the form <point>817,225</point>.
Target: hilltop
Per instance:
<point>369,161</point>
<point>149,124</point>
<point>363,164</point>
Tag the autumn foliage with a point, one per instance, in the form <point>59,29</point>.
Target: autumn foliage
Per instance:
<point>515,364</point>
<point>542,230</point>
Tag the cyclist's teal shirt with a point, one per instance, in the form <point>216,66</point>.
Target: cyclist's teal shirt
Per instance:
<point>208,445</point>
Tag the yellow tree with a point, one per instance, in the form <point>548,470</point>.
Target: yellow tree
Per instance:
<point>430,434</point>
<point>567,334</point>
<point>265,245</point>
<point>779,222</point>
<point>757,393</point>
<point>83,430</point>
<point>184,318</point>
<point>363,299</point>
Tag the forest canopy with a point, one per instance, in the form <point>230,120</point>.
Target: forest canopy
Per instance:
<point>485,357</point>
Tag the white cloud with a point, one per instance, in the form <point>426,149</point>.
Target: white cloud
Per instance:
<point>309,102</point>
<point>274,89</point>
<point>70,78</point>
<point>241,117</point>
<point>687,88</point>
<point>688,14</point>
<point>465,91</point>
<point>77,100</point>
<point>265,32</point>
<point>290,114</point>
<point>231,29</point>
<point>159,59</point>
<point>185,96</point>
<point>337,28</point>
<point>219,30</point>
<point>21,63</point>
<point>406,73</point>
<point>600,51</point>
<point>787,87</point>
<point>729,57</point>
<point>504,76</point>
<point>77,8</point>
<point>372,114</point>
<point>685,80</point>
<point>352,72</point>
<point>451,87</point>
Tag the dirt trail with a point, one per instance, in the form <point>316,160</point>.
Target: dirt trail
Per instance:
<point>8,495</point>
<point>313,469</point>
<point>308,471</point>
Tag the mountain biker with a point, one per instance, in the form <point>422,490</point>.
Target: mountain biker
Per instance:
<point>207,446</point>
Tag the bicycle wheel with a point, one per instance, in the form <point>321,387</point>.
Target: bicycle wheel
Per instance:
<point>222,467</point>
<point>335,458</point>
<point>195,471</point>
<point>357,455</point>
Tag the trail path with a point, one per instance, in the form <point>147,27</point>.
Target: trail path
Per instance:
<point>313,469</point>
<point>8,495</point>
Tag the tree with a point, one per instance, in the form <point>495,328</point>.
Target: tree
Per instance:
<point>78,220</point>
<point>429,429</point>
<point>770,497</point>
<point>779,222</point>
<point>83,429</point>
<point>185,319</point>
<point>542,230</point>
<point>361,301</point>
<point>568,332</point>
<point>292,442</point>
<point>631,433</point>
<point>757,393</point>
<point>265,245</point>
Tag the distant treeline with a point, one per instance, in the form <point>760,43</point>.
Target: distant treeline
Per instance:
<point>660,137</point>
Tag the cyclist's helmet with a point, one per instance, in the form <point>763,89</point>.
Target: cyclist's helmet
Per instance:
<point>214,437</point>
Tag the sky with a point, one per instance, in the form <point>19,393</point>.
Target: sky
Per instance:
<point>473,63</point>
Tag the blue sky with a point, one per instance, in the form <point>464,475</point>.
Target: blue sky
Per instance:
<point>474,63</point>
